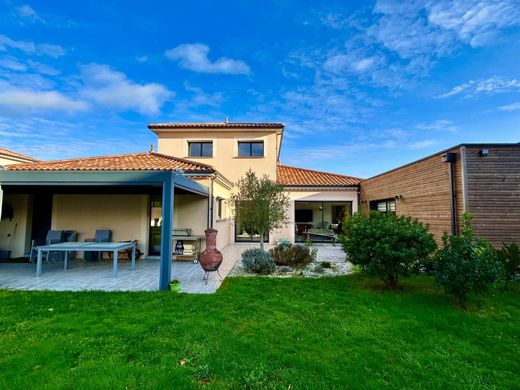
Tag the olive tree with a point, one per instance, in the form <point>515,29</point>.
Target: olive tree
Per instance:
<point>260,204</point>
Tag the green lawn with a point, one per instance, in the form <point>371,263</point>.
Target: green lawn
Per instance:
<point>263,333</point>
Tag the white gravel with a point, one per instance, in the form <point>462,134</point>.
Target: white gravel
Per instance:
<point>326,253</point>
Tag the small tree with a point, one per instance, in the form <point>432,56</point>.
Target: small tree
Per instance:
<point>466,264</point>
<point>385,245</point>
<point>260,204</point>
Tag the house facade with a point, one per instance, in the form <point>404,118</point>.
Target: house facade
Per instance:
<point>213,156</point>
<point>483,179</point>
<point>318,200</point>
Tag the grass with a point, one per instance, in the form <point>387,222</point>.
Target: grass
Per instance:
<point>340,332</point>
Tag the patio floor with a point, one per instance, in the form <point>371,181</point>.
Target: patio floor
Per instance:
<point>98,276</point>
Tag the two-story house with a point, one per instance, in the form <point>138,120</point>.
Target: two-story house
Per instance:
<point>319,200</point>
<point>114,192</point>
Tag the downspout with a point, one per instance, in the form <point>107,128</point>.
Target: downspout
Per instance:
<point>451,158</point>
<point>210,203</point>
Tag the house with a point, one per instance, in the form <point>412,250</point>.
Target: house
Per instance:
<point>186,184</point>
<point>9,157</point>
<point>318,200</point>
<point>189,181</point>
<point>483,179</point>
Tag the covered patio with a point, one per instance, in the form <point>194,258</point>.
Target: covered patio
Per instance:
<point>97,276</point>
<point>83,192</point>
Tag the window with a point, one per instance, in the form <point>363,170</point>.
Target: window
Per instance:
<point>200,149</point>
<point>220,208</point>
<point>251,149</point>
<point>384,206</point>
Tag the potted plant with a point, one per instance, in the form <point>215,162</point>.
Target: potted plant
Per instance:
<point>175,285</point>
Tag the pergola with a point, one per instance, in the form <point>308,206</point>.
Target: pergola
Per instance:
<point>98,180</point>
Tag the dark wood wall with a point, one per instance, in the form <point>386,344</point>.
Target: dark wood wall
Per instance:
<point>493,192</point>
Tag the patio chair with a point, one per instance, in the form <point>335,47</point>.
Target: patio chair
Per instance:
<point>101,235</point>
<point>52,237</point>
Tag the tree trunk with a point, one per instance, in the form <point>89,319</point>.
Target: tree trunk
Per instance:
<point>262,240</point>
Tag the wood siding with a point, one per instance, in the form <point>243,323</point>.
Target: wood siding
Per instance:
<point>425,189</point>
<point>488,187</point>
<point>493,196</point>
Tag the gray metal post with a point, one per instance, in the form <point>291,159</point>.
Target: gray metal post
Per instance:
<point>166,233</point>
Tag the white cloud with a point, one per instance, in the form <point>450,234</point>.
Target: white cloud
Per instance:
<point>110,88</point>
<point>474,22</point>
<point>43,68</point>
<point>12,63</point>
<point>438,125</point>
<point>46,49</point>
<point>202,98</point>
<point>510,107</point>
<point>16,99</point>
<point>490,86</point>
<point>27,12</point>
<point>353,61</point>
<point>422,144</point>
<point>194,56</point>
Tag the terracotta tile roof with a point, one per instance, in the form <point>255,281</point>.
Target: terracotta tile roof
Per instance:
<point>10,153</point>
<point>216,125</point>
<point>291,176</point>
<point>150,161</point>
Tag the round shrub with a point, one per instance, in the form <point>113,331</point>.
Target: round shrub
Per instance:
<point>258,261</point>
<point>466,264</point>
<point>509,256</point>
<point>291,255</point>
<point>385,245</point>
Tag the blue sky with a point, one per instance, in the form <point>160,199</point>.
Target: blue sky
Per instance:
<point>362,87</point>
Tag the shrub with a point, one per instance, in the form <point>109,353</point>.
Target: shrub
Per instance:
<point>291,255</point>
<point>509,256</point>
<point>466,264</point>
<point>258,261</point>
<point>385,245</point>
<point>326,264</point>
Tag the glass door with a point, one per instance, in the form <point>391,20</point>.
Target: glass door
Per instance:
<point>155,225</point>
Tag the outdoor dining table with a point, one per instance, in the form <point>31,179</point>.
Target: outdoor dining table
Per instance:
<point>67,247</point>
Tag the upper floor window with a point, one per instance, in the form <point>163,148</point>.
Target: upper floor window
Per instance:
<point>251,149</point>
<point>200,149</point>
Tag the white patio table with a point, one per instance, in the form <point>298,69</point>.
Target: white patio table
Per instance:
<point>67,247</point>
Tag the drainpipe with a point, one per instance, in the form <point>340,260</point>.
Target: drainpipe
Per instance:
<point>451,158</point>
<point>210,203</point>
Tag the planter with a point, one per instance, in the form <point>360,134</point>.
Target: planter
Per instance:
<point>175,287</point>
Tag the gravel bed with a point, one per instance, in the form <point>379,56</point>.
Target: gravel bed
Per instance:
<point>333,257</point>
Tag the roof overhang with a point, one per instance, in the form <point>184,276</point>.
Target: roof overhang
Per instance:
<point>101,178</point>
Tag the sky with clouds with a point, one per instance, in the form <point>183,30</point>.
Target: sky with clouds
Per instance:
<point>361,86</point>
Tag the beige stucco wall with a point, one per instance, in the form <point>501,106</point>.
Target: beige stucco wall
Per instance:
<point>311,196</point>
<point>225,150</point>
<point>224,223</point>
<point>15,234</point>
<point>125,215</point>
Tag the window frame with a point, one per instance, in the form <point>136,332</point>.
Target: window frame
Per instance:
<point>251,143</point>
<point>201,143</point>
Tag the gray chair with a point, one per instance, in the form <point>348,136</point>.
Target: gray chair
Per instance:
<point>101,235</point>
<point>52,237</point>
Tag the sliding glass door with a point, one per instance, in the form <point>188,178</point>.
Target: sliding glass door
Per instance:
<point>318,221</point>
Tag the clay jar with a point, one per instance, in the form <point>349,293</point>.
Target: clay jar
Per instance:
<point>211,258</point>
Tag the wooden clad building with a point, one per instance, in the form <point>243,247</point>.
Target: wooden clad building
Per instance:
<point>483,179</point>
